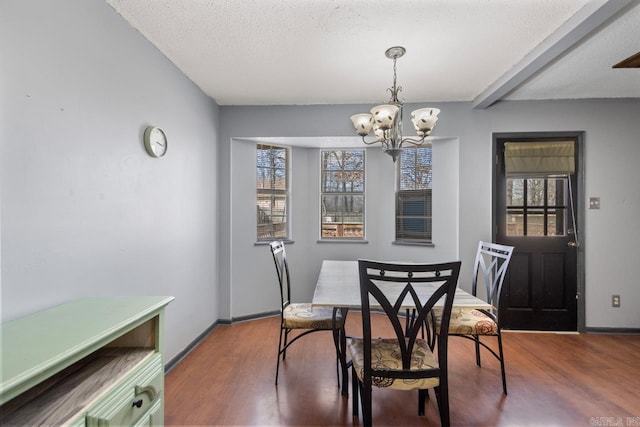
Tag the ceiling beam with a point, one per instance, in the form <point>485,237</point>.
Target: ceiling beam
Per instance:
<point>579,26</point>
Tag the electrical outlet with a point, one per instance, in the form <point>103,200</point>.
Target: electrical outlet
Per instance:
<point>594,203</point>
<point>615,300</point>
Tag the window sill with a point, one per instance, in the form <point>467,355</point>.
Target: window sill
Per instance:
<point>268,242</point>
<point>343,241</point>
<point>404,243</point>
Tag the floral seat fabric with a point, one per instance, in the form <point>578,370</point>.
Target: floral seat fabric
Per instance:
<point>305,316</point>
<point>469,321</point>
<point>385,354</point>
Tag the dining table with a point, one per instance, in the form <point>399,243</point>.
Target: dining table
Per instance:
<point>338,286</point>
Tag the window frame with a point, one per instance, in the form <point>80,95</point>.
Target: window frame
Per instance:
<point>403,196</point>
<point>553,215</point>
<point>274,193</point>
<point>323,194</point>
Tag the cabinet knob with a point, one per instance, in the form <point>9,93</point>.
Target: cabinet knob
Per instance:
<point>137,403</point>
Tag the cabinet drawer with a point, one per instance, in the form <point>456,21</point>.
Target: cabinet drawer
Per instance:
<point>134,398</point>
<point>154,416</point>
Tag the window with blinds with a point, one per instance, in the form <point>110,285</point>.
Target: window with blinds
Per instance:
<point>342,194</point>
<point>413,195</point>
<point>272,192</point>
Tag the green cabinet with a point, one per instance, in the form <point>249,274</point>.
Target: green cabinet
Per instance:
<point>93,362</point>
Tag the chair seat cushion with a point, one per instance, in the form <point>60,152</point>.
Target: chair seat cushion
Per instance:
<point>306,316</point>
<point>469,321</point>
<point>385,354</point>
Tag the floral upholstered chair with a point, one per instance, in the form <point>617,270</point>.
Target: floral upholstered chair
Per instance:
<point>490,267</point>
<point>402,360</point>
<point>300,316</point>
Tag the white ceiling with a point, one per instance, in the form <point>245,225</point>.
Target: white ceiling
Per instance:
<point>299,52</point>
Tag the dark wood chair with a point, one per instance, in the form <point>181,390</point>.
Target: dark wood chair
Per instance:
<point>490,267</point>
<point>402,359</point>
<point>300,316</point>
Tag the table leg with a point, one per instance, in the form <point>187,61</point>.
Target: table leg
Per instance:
<point>341,349</point>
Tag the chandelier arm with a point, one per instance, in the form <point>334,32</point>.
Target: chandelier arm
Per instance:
<point>369,142</point>
<point>385,143</point>
<point>415,142</point>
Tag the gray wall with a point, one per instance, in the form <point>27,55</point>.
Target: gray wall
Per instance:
<point>612,152</point>
<point>85,211</point>
<point>254,289</point>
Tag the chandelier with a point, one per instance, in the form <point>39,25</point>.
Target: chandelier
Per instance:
<point>386,120</point>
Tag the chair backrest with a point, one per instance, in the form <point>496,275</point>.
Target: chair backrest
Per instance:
<point>388,285</point>
<point>492,261</point>
<point>282,269</point>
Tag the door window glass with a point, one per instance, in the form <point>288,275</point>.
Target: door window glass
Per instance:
<point>536,206</point>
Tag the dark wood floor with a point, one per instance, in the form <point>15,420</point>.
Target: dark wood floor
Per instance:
<point>553,380</point>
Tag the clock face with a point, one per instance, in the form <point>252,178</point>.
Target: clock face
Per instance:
<point>155,141</point>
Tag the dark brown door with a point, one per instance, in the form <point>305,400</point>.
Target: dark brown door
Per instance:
<point>533,213</point>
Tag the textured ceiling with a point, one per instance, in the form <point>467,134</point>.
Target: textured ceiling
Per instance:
<point>288,52</point>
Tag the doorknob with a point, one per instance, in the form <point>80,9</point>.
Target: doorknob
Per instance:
<point>572,244</point>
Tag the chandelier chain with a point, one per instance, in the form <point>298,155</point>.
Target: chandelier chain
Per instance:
<point>395,89</point>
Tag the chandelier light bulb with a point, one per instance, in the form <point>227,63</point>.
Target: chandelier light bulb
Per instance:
<point>424,119</point>
<point>363,123</point>
<point>384,115</point>
<point>379,133</point>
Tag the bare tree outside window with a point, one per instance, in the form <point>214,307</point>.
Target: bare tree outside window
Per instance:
<point>536,206</point>
<point>272,192</point>
<point>342,194</point>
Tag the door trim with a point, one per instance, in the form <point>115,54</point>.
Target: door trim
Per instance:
<point>499,137</point>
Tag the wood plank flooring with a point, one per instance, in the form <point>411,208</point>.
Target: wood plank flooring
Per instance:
<point>553,380</point>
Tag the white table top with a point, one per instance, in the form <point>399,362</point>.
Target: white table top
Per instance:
<point>339,286</point>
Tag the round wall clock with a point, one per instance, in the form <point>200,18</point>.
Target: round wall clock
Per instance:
<point>155,141</point>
